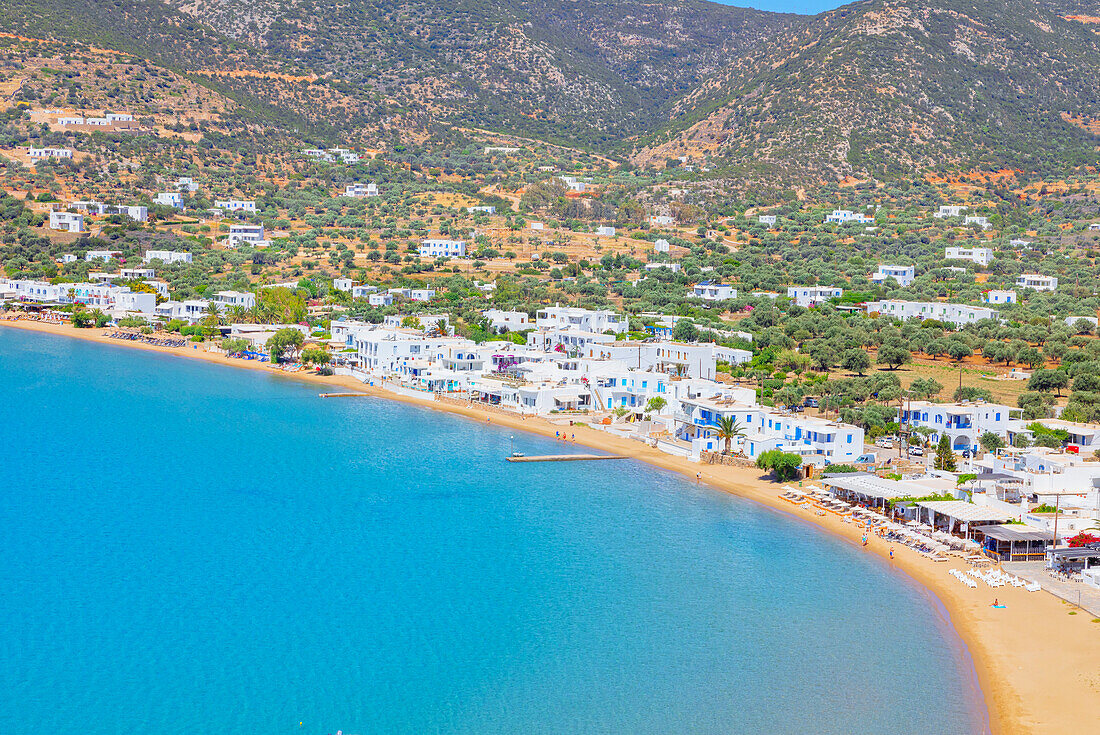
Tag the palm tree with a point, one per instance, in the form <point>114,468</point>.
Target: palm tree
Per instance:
<point>729,429</point>
<point>237,313</point>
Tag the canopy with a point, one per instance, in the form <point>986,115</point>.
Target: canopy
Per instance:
<point>1013,532</point>
<point>870,486</point>
<point>960,510</point>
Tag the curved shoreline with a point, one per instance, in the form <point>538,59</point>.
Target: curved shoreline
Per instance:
<point>1037,666</point>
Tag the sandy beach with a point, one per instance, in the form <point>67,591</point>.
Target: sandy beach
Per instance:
<point>1037,660</point>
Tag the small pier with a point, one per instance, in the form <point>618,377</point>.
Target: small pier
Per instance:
<point>344,395</point>
<point>565,457</point>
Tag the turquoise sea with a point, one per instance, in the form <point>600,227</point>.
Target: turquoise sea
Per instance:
<point>188,548</point>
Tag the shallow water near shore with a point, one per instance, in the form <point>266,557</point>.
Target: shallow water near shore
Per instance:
<point>192,548</point>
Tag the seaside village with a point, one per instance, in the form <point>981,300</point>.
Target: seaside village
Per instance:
<point>1023,513</point>
<point>1017,508</point>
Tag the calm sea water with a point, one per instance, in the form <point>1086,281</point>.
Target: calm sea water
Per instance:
<point>187,548</point>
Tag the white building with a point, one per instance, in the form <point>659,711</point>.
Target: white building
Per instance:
<point>169,199</point>
<point>661,246</point>
<point>903,274</point>
<point>343,284</point>
<point>136,212</point>
<point>507,321</point>
<point>421,294</point>
<point>380,299</point>
<point>674,267</point>
<point>1037,282</point>
<point>235,298</point>
<point>138,273</point>
<point>711,291</point>
<point>963,423</point>
<point>768,219</point>
<point>441,248</point>
<point>605,231</point>
<point>948,210</point>
<point>38,154</point>
<point>980,221</point>
<point>566,317</point>
<point>981,256</point>
<point>167,256</point>
<point>1072,320</point>
<point>117,117</point>
<point>187,184</point>
<point>67,221</point>
<point>661,220</point>
<point>843,216</point>
<point>246,233</point>
<point>360,191</point>
<point>104,255</point>
<point>817,440</point>
<point>236,205</point>
<point>482,209</point>
<point>999,297</point>
<point>808,296</point>
<point>954,313</point>
<point>362,292</point>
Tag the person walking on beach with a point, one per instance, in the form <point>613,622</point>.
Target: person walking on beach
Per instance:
<point>864,539</point>
<point>891,552</point>
<point>698,476</point>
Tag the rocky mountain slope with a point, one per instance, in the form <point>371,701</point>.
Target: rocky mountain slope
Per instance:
<point>889,86</point>
<point>875,88</point>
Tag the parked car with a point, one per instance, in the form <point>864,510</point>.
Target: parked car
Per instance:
<point>868,458</point>
<point>810,402</point>
<point>916,451</point>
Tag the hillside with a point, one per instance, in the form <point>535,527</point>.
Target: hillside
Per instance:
<point>889,86</point>
<point>874,89</point>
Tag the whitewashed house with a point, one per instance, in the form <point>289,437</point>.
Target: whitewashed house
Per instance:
<point>963,423</point>
<point>235,205</point>
<point>167,256</point>
<point>948,210</point>
<point>999,297</point>
<point>982,222</point>
<point>243,299</point>
<point>380,299</point>
<point>661,246</point>
<point>67,221</point>
<point>605,231</point>
<point>844,216</point>
<point>661,220</point>
<point>358,190</point>
<point>104,255</point>
<point>507,321</point>
<point>674,267</point>
<point>903,274</point>
<point>362,292</point>
<point>442,248</point>
<point>565,317</point>
<point>1037,282</point>
<point>808,296</point>
<point>711,291</point>
<point>169,199</point>
<point>981,256</point>
<point>38,154</point>
<point>768,219</point>
<point>954,313</point>
<point>246,234</point>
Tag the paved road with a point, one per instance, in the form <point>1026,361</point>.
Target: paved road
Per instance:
<point>1035,571</point>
